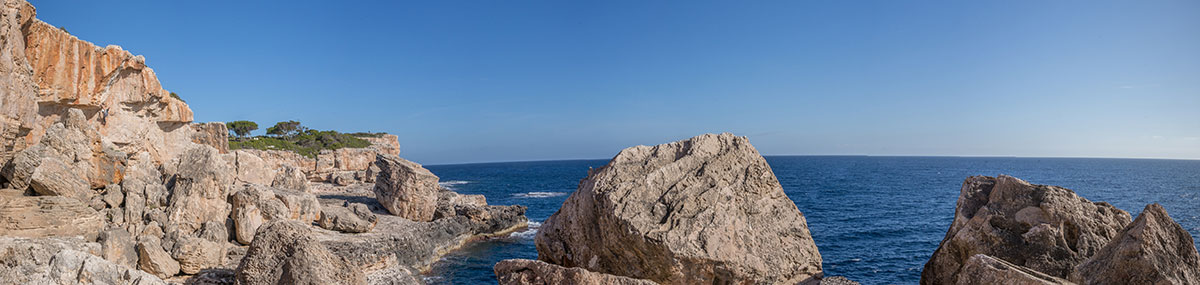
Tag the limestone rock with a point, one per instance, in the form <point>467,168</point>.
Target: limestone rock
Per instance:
<point>702,210</point>
<point>343,178</point>
<point>252,169</point>
<point>200,189</point>
<point>405,188</point>
<point>213,134</point>
<point>290,178</point>
<point>117,246</point>
<point>256,205</point>
<point>43,216</point>
<point>1048,229</point>
<point>301,206</point>
<point>524,271</point>
<point>75,267</point>
<point>287,252</point>
<point>355,218</point>
<point>983,269</point>
<point>154,260</point>
<point>196,254</point>
<point>1154,249</point>
<point>27,260</point>
<point>53,177</point>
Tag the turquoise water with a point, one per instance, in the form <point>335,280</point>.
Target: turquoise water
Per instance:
<point>876,220</point>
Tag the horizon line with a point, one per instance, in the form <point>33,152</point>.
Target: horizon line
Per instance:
<point>841,155</point>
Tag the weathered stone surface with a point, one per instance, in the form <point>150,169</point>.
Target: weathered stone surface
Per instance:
<point>1154,249</point>
<point>213,134</point>
<point>524,271</point>
<point>53,177</point>
<point>702,210</point>
<point>252,207</point>
<point>343,178</point>
<point>154,260</point>
<point>983,269</point>
<point>405,188</point>
<point>1048,229</point>
<point>200,189</point>
<point>76,267</point>
<point>288,252</point>
<point>117,246</point>
<point>43,216</point>
<point>196,254</point>
<point>354,218</point>
<point>27,260</point>
<point>252,169</point>
<point>301,206</point>
<point>290,178</point>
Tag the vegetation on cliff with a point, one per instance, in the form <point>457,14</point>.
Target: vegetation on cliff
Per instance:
<point>291,136</point>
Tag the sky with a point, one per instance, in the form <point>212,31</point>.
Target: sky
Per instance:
<point>482,81</point>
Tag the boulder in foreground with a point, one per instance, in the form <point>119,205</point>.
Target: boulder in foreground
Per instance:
<point>703,210</point>
<point>983,269</point>
<point>288,252</point>
<point>1045,228</point>
<point>524,271</point>
<point>44,216</point>
<point>1151,250</point>
<point>405,188</point>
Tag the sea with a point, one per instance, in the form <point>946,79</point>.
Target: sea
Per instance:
<point>876,220</point>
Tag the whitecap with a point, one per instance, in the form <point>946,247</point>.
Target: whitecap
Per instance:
<point>539,194</point>
<point>450,184</point>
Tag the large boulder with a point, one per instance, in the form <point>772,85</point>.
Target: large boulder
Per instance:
<point>1151,250</point>
<point>291,178</point>
<point>256,205</point>
<point>703,210</point>
<point>353,218</point>
<point>252,169</point>
<point>983,269</point>
<point>117,246</point>
<point>154,260</point>
<point>405,188</point>
<point>76,267</point>
<point>195,254</point>
<point>27,260</point>
<point>1045,228</point>
<point>288,252</point>
<point>201,188</point>
<point>44,216</point>
<point>524,271</point>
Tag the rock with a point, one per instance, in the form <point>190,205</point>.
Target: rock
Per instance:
<point>200,189</point>
<point>302,206</point>
<point>117,246</point>
<point>252,169</point>
<point>702,210</point>
<point>154,260</point>
<point>256,205</point>
<point>113,196</point>
<point>196,254</point>
<point>832,280</point>
<point>405,188</point>
<point>75,267</point>
<point>984,269</point>
<point>1154,249</point>
<point>343,178</point>
<point>524,271</point>
<point>53,177</point>
<point>44,216</point>
<point>214,232</point>
<point>287,252</point>
<point>357,218</point>
<point>1048,229</point>
<point>290,178</point>
<point>27,260</point>
<point>213,134</point>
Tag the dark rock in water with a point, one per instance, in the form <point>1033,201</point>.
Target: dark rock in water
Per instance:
<point>1048,229</point>
<point>405,188</point>
<point>524,271</point>
<point>288,252</point>
<point>1151,250</point>
<point>703,210</point>
<point>983,269</point>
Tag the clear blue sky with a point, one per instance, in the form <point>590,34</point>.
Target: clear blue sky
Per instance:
<point>468,81</point>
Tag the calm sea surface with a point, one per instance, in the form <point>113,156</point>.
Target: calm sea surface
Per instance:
<point>876,220</point>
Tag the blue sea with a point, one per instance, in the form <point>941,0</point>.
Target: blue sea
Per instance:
<point>875,220</point>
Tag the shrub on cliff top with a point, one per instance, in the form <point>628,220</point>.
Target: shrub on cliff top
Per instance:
<point>241,128</point>
<point>307,143</point>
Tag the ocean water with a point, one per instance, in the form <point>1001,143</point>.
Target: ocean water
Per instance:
<point>875,220</point>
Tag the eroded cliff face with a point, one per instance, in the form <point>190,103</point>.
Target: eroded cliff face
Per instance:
<point>329,164</point>
<point>46,71</point>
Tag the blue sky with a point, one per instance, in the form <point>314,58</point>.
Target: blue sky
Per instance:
<point>473,81</point>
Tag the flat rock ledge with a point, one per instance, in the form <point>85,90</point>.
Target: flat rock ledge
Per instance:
<point>524,271</point>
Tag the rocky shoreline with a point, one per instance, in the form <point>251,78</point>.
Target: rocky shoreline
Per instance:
<point>107,180</point>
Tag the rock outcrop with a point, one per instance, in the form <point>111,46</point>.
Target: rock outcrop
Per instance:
<point>1048,229</point>
<point>524,271</point>
<point>329,165</point>
<point>353,218</point>
<point>200,190</point>
<point>154,260</point>
<point>62,261</point>
<point>117,246</point>
<point>702,210</point>
<point>1154,249</point>
<point>405,188</point>
<point>255,205</point>
<point>983,269</point>
<point>288,252</point>
<point>48,216</point>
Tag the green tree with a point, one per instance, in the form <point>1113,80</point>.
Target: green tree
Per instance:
<point>241,128</point>
<point>285,128</point>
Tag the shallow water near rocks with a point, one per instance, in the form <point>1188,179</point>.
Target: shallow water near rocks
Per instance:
<point>876,220</point>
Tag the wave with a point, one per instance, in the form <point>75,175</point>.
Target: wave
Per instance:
<point>539,194</point>
<point>450,184</point>
<point>528,233</point>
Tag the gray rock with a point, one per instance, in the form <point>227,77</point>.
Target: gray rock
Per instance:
<point>154,260</point>
<point>524,271</point>
<point>253,206</point>
<point>287,252</point>
<point>113,196</point>
<point>53,177</point>
<point>27,260</point>
<point>357,218</point>
<point>75,267</point>
<point>1048,229</point>
<point>196,254</point>
<point>200,189</point>
<point>405,188</point>
<point>343,178</point>
<point>214,232</point>
<point>290,178</point>
<point>46,216</point>
<point>702,210</point>
<point>117,246</point>
<point>984,269</point>
<point>1154,249</point>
